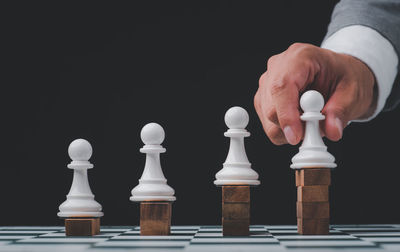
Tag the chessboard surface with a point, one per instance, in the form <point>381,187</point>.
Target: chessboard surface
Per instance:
<point>204,238</point>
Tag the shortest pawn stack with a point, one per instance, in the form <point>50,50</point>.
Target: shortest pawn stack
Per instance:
<point>80,211</point>
<point>153,193</point>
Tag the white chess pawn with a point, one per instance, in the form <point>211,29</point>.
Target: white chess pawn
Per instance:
<point>237,168</point>
<point>152,185</point>
<point>80,199</point>
<point>312,152</point>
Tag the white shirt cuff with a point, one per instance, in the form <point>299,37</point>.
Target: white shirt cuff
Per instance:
<point>374,50</point>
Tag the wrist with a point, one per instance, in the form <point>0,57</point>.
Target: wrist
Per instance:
<point>367,85</point>
<point>376,52</point>
<point>361,75</point>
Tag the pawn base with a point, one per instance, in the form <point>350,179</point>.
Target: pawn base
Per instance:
<point>155,218</point>
<point>82,226</point>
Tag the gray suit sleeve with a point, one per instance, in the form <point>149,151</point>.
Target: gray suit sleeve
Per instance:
<point>380,15</point>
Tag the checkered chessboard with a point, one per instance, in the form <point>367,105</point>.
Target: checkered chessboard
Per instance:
<point>204,238</point>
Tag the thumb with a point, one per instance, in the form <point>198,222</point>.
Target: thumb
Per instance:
<point>337,112</point>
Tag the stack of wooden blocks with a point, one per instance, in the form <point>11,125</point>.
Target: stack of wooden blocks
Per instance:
<point>313,200</point>
<point>235,210</point>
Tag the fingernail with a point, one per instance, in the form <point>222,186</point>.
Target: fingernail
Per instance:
<point>339,125</point>
<point>289,134</point>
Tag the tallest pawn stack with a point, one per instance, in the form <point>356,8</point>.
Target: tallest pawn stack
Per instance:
<point>236,176</point>
<point>313,166</point>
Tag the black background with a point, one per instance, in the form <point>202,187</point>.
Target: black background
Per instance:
<point>101,72</point>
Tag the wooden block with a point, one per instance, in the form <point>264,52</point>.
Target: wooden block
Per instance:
<point>155,218</point>
<point>235,227</point>
<point>96,226</point>
<point>153,210</point>
<point>82,226</point>
<point>313,193</point>
<point>313,210</point>
<point>155,227</point>
<point>313,226</point>
<point>312,176</point>
<point>235,194</point>
<point>236,211</point>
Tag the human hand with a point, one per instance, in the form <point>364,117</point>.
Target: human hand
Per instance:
<point>347,84</point>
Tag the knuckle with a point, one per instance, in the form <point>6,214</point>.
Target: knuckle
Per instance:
<point>284,118</point>
<point>270,114</point>
<point>277,87</point>
<point>297,79</point>
<point>271,60</point>
<point>296,46</point>
<point>274,133</point>
<point>303,51</point>
<point>306,63</point>
<point>261,79</point>
<point>256,101</point>
<point>339,110</point>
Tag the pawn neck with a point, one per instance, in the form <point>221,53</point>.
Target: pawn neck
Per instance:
<point>312,135</point>
<point>80,184</point>
<point>152,169</point>
<point>237,153</point>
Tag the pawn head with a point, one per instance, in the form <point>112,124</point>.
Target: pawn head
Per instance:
<point>152,133</point>
<point>80,150</point>
<point>312,101</point>
<point>236,118</point>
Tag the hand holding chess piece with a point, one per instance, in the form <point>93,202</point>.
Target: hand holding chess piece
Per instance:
<point>347,82</point>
